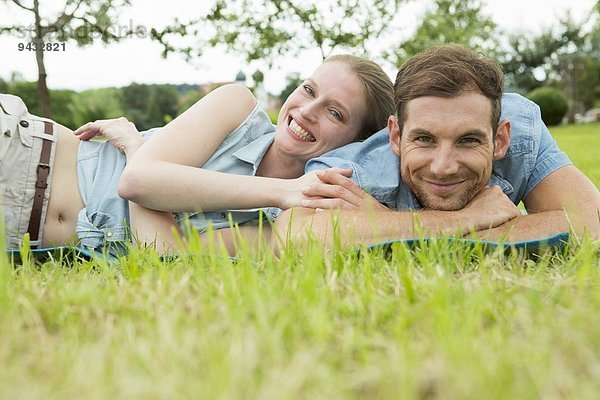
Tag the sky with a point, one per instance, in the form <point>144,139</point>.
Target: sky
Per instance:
<point>138,60</point>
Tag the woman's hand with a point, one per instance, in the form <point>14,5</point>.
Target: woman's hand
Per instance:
<point>330,188</point>
<point>293,193</point>
<point>120,133</point>
<point>337,191</point>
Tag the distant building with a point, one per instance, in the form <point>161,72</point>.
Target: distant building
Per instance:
<point>240,78</point>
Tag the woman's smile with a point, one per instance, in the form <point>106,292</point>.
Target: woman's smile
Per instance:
<point>298,131</point>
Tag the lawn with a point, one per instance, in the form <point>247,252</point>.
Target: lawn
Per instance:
<point>433,321</point>
<point>582,144</point>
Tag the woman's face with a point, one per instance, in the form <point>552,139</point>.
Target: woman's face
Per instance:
<point>325,112</point>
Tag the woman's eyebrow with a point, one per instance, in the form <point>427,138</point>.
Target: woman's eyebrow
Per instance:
<point>333,101</point>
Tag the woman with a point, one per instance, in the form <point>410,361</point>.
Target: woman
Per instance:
<point>188,164</point>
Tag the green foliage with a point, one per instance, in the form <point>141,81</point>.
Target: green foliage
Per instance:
<point>553,104</point>
<point>188,100</point>
<point>448,21</point>
<point>27,91</point>
<point>94,104</point>
<point>83,21</point>
<point>566,55</point>
<point>588,81</point>
<point>264,30</point>
<point>62,101</point>
<point>292,81</point>
<point>149,106</point>
<point>162,106</point>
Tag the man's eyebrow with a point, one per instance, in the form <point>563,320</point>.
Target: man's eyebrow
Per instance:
<point>475,133</point>
<point>419,131</point>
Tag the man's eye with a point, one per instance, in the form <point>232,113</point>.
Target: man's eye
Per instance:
<point>336,114</point>
<point>423,139</point>
<point>470,140</point>
<point>309,90</point>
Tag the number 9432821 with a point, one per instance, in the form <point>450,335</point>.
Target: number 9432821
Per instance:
<point>42,46</point>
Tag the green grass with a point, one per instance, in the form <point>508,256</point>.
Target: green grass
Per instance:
<point>582,144</point>
<point>440,321</point>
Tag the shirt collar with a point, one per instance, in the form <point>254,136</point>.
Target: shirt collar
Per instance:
<point>253,152</point>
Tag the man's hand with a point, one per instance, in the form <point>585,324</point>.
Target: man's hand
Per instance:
<point>337,191</point>
<point>488,209</point>
<point>120,133</point>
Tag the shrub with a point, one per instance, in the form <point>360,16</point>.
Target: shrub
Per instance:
<point>553,104</point>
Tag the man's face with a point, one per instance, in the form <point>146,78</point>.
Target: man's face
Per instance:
<point>446,148</point>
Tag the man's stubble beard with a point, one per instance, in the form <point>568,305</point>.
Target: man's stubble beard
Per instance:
<point>453,203</point>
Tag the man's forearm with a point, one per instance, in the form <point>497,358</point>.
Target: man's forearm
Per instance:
<point>360,227</point>
<point>539,225</point>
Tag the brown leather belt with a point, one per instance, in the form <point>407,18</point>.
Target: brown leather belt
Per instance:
<point>41,184</point>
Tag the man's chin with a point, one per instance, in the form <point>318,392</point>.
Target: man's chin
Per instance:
<point>441,204</point>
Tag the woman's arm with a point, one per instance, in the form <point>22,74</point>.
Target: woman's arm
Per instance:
<point>164,173</point>
<point>148,227</point>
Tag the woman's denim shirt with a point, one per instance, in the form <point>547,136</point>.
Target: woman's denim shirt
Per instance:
<point>531,156</point>
<point>104,221</point>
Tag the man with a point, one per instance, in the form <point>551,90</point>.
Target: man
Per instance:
<point>451,164</point>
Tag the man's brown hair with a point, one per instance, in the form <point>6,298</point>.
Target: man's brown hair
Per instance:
<point>448,71</point>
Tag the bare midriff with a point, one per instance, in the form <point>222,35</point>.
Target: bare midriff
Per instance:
<point>65,201</point>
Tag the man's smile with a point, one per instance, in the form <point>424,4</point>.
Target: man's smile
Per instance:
<point>442,188</point>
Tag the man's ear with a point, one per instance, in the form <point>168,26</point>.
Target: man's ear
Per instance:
<point>394,130</point>
<point>502,140</point>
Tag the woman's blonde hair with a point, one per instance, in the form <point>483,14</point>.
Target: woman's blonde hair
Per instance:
<point>378,89</point>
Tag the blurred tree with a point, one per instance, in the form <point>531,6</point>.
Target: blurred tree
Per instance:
<point>188,100</point>
<point>94,104</point>
<point>150,106</point>
<point>61,111</point>
<point>266,29</point>
<point>3,86</point>
<point>553,104</point>
<point>258,77</point>
<point>566,56</point>
<point>448,21</point>
<point>293,80</point>
<point>134,103</point>
<point>162,106</point>
<point>27,91</point>
<point>81,20</point>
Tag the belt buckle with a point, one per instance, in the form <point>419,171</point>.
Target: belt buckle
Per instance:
<point>44,169</point>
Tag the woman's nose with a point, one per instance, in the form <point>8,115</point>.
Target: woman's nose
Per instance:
<point>307,112</point>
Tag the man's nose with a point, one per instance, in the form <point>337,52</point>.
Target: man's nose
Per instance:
<point>444,161</point>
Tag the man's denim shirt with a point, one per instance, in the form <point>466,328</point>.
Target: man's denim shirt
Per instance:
<point>531,156</point>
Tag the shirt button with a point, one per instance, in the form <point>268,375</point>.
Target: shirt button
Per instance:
<point>109,234</point>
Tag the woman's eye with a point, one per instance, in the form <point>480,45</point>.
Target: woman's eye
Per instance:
<point>309,90</point>
<point>336,115</point>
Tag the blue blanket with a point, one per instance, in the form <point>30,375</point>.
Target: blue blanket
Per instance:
<point>69,254</point>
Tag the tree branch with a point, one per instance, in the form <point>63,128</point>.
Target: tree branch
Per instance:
<point>17,2</point>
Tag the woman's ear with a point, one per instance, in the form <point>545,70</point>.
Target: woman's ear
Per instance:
<point>394,131</point>
<point>502,141</point>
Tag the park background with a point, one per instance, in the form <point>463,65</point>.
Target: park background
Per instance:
<point>436,320</point>
<point>149,62</point>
